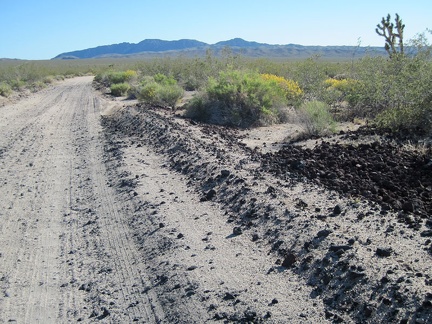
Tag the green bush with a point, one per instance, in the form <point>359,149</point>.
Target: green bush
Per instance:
<point>119,89</point>
<point>48,79</point>
<point>159,90</point>
<point>162,79</point>
<point>121,77</point>
<point>17,84</point>
<point>198,108</point>
<point>115,77</point>
<point>316,119</point>
<point>169,94</point>
<point>5,89</point>
<point>240,98</point>
<point>37,85</point>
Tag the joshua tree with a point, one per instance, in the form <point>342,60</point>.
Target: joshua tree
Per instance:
<point>391,32</point>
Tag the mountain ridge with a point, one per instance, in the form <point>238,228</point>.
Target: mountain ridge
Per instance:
<point>191,47</point>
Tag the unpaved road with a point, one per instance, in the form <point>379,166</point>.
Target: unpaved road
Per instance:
<point>116,214</point>
<point>64,246</point>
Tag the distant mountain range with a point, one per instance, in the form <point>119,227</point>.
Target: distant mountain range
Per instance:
<point>190,47</point>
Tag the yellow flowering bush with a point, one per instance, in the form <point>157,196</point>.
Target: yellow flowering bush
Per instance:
<point>290,88</point>
<point>343,85</point>
<point>348,89</point>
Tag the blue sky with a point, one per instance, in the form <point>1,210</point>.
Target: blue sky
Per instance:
<point>41,29</point>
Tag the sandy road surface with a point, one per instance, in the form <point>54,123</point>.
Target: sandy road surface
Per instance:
<point>61,229</point>
<point>75,247</point>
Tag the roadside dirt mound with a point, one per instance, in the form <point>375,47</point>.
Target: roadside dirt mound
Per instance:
<point>359,262</point>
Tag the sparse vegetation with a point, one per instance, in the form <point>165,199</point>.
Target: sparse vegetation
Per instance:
<point>316,119</point>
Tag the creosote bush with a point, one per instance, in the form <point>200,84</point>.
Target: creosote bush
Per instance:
<point>344,89</point>
<point>5,89</point>
<point>116,77</point>
<point>119,89</point>
<point>316,119</point>
<point>159,90</point>
<point>240,98</point>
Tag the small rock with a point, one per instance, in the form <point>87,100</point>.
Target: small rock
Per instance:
<point>86,287</point>
<point>180,235</point>
<point>237,230</point>
<point>383,252</point>
<point>225,173</point>
<point>337,210</point>
<point>323,233</point>
<point>191,268</point>
<point>427,233</point>
<point>289,260</point>
<point>250,315</point>
<point>105,313</point>
<point>408,207</point>
<point>336,248</point>
<point>255,237</point>
<point>228,296</point>
<point>209,195</point>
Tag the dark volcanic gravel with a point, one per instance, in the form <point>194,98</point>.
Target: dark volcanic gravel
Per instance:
<point>382,172</point>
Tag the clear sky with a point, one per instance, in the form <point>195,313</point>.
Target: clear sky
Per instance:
<point>41,29</point>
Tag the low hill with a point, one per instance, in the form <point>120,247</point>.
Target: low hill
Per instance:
<point>189,47</point>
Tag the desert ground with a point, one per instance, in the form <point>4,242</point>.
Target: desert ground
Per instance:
<point>116,212</point>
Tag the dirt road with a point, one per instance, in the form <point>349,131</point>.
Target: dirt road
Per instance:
<point>75,248</point>
<point>64,246</point>
<point>116,213</point>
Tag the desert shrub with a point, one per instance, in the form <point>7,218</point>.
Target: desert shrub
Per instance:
<point>168,95</point>
<point>119,89</point>
<point>344,89</point>
<point>417,119</point>
<point>17,84</point>
<point>5,89</point>
<point>397,90</point>
<point>115,77</point>
<point>121,77</point>
<point>316,119</point>
<point>239,98</point>
<point>310,75</point>
<point>159,90</point>
<point>37,85</point>
<point>162,79</point>
<point>199,108</point>
<point>290,88</point>
<point>191,83</point>
<point>48,79</point>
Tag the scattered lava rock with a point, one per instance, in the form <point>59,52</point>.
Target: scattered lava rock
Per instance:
<point>209,195</point>
<point>289,261</point>
<point>380,171</point>
<point>383,252</point>
<point>337,210</point>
